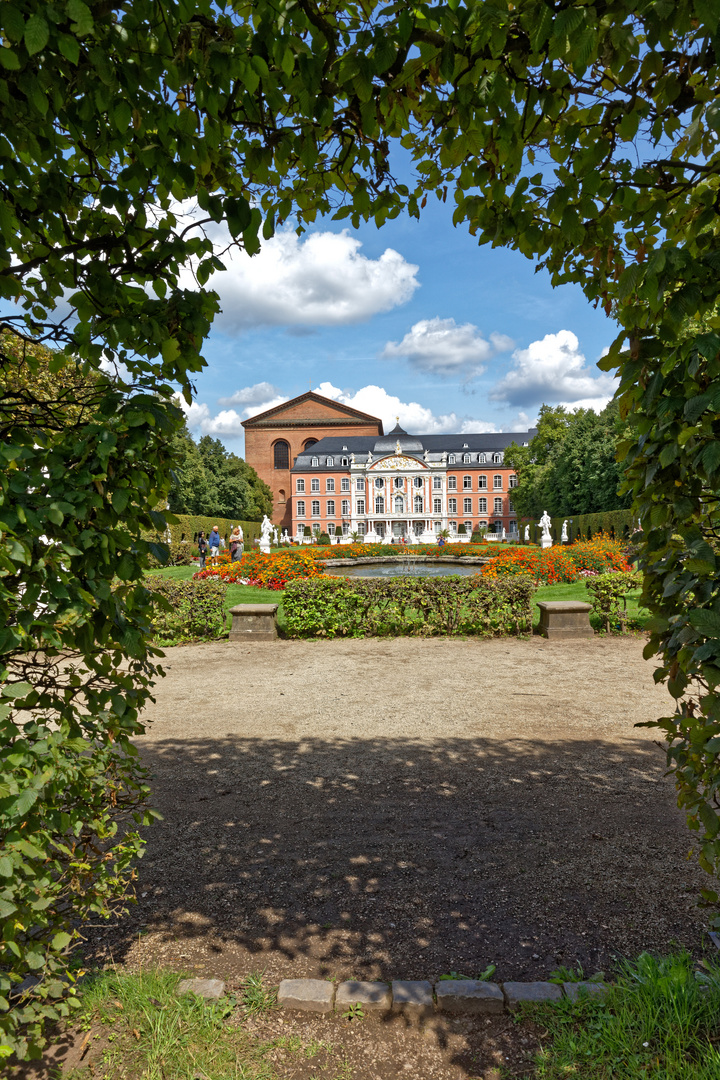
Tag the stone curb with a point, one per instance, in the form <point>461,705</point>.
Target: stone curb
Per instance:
<point>419,998</point>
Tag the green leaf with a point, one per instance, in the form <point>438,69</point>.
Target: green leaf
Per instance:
<point>710,819</point>
<point>81,16</point>
<point>706,621</point>
<point>9,59</point>
<point>6,866</point>
<point>36,34</point>
<point>120,499</point>
<point>61,941</point>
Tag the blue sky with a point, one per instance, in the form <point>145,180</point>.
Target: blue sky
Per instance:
<point>412,319</point>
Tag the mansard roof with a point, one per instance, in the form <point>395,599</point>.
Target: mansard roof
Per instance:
<point>435,445</point>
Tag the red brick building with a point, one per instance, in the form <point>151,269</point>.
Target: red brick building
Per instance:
<point>275,438</point>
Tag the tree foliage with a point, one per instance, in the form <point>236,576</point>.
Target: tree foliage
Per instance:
<point>570,467</point>
<point>583,135</point>
<point>212,480</point>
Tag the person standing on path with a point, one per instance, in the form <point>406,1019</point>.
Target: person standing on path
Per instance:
<point>214,541</point>
<point>236,544</point>
<point>202,549</point>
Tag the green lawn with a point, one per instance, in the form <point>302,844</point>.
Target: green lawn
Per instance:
<point>245,594</point>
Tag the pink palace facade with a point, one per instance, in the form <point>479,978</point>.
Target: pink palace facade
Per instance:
<point>399,484</point>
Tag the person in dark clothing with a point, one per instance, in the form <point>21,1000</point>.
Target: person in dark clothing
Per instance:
<point>202,549</point>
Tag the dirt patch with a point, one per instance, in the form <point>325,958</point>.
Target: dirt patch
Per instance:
<point>407,808</point>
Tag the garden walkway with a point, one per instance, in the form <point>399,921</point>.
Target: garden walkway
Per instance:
<point>405,808</point>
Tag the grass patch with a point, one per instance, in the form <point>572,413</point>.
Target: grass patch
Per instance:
<point>236,594</point>
<point>637,615</point>
<point>144,1030</point>
<point>661,1021</point>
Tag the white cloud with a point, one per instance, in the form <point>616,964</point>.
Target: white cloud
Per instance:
<point>195,414</point>
<point>257,394</point>
<point>446,348</point>
<point>555,372</point>
<point>319,280</point>
<point>227,423</point>
<point>415,418</point>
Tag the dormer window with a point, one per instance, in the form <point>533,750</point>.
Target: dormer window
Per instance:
<point>330,462</point>
<point>314,463</point>
<point>467,458</point>
<point>344,461</point>
<point>481,459</point>
<point>344,447</point>
<point>451,459</point>
<point>497,459</point>
<point>465,446</point>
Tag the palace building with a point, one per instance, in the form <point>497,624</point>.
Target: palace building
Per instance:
<point>399,484</point>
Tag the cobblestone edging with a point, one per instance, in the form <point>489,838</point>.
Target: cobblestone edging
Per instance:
<point>413,997</point>
<point>420,998</point>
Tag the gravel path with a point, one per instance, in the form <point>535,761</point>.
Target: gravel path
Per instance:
<point>405,808</point>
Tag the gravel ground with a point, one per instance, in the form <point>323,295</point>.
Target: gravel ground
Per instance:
<point>407,808</point>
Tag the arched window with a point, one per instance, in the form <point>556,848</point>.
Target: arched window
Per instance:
<point>451,459</point>
<point>330,462</point>
<point>399,504</point>
<point>308,443</point>
<point>344,462</point>
<point>315,462</point>
<point>497,459</point>
<point>467,459</point>
<point>379,505</point>
<point>418,504</point>
<point>282,454</point>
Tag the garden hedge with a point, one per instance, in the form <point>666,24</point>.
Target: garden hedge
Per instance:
<point>343,607</point>
<point>616,523</point>
<point>187,610</point>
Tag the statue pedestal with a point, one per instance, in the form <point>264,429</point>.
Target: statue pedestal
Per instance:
<point>546,542</point>
<point>265,547</point>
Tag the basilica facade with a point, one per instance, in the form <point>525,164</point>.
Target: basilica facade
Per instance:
<point>402,485</point>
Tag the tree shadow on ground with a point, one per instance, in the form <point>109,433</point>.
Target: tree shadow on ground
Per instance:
<point>392,858</point>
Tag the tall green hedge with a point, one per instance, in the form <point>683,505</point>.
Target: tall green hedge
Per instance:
<point>189,525</point>
<point>617,523</point>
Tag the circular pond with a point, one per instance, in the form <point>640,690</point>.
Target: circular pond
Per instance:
<point>403,568</point>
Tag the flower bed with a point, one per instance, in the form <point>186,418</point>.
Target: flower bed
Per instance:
<point>557,565</point>
<point>368,551</point>
<point>345,607</point>
<point>265,571</point>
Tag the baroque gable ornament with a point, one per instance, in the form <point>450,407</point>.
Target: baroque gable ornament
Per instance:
<point>397,461</point>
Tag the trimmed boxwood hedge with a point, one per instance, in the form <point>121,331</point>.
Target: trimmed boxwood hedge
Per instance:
<point>187,610</point>
<point>619,524</point>
<point>346,607</point>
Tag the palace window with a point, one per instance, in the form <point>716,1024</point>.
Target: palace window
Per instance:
<point>344,462</point>
<point>399,482</point>
<point>315,508</point>
<point>437,506</point>
<point>314,484</point>
<point>330,508</point>
<point>330,484</point>
<point>452,506</point>
<point>482,506</point>
<point>481,459</point>
<point>513,481</point>
<point>467,483</point>
<point>299,485</point>
<point>467,458</point>
<point>330,462</point>
<point>467,506</point>
<point>437,483</point>
<point>497,482</point>
<point>452,525</point>
<point>497,509</point>
<point>345,527</point>
<point>497,459</point>
<point>316,528</point>
<point>346,508</point>
<point>482,524</point>
<point>451,459</point>
<point>315,462</point>
<point>281,453</point>
<point>418,482</point>
<point>379,482</point>
<point>308,443</point>
<point>345,484</point>
<point>468,526</point>
<point>482,483</point>
<point>399,504</point>
<point>452,483</point>
<point>360,506</point>
<point>418,504</point>
<point>300,511</point>
<point>360,484</point>
<point>511,508</point>
<point>379,505</point>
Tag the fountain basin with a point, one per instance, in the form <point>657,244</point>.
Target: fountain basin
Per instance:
<point>403,566</point>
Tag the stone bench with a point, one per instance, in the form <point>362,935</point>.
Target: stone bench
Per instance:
<point>253,622</point>
<point>561,620</point>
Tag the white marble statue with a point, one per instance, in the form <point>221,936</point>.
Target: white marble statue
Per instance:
<point>285,539</point>
<point>527,534</point>
<point>564,534</point>
<point>265,534</point>
<point>545,522</point>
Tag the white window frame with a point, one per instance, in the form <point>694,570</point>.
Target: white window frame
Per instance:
<point>330,484</point>
<point>467,483</point>
<point>452,526</point>
<point>300,485</point>
<point>417,481</point>
<point>437,483</point>
<point>315,463</point>
<point>452,506</point>
<point>418,505</point>
<point>452,483</point>
<point>498,507</point>
<point>345,508</point>
<point>360,506</point>
<point>467,458</point>
<point>313,511</point>
<point>437,506</point>
<point>482,506</point>
<point>398,504</point>
<point>330,512</point>
<point>315,528</point>
<point>398,483</point>
<point>300,508</point>
<point>379,509</point>
<point>451,459</point>
<point>360,483</point>
<point>345,483</point>
<point>314,484</point>
<point>482,483</point>
<point>497,459</point>
<point>513,482</point>
<point>330,462</point>
<point>467,506</point>
<point>497,482</point>
<point>379,483</point>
